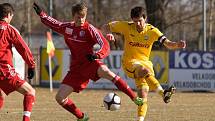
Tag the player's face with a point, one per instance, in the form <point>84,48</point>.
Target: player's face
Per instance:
<point>9,17</point>
<point>79,19</point>
<point>139,23</point>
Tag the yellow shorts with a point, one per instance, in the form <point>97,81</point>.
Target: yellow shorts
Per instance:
<point>130,66</point>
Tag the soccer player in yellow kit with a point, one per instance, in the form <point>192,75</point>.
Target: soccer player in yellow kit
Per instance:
<point>139,37</point>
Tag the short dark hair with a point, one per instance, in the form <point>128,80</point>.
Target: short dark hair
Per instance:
<point>137,12</point>
<point>79,8</point>
<point>5,9</point>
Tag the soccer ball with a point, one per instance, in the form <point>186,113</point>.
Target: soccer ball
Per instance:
<point>112,101</point>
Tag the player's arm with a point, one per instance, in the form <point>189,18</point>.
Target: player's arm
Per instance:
<point>24,51</point>
<point>48,20</point>
<point>22,48</point>
<point>166,42</point>
<point>119,27</point>
<point>106,31</point>
<point>174,45</point>
<point>104,49</point>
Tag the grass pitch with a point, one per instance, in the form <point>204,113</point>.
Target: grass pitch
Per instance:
<point>184,107</point>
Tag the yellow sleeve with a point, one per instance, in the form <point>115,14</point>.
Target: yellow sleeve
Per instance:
<point>157,34</point>
<point>118,26</point>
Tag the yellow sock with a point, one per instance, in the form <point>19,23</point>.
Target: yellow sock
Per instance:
<point>142,110</point>
<point>142,92</point>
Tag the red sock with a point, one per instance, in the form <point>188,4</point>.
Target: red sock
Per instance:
<point>26,118</point>
<point>28,104</point>
<point>1,102</point>
<point>70,106</point>
<point>123,86</point>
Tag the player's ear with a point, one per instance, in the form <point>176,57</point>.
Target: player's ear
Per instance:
<point>10,14</point>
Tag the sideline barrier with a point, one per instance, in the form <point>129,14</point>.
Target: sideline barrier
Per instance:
<point>188,71</point>
<point>60,66</point>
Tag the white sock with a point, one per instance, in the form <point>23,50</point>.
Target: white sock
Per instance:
<point>27,113</point>
<point>159,89</point>
<point>141,118</point>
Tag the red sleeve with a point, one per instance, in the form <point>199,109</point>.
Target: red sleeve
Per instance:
<point>22,47</point>
<point>52,23</point>
<point>99,38</point>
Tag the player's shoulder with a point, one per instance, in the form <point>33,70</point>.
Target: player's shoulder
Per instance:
<point>11,27</point>
<point>150,27</point>
<point>3,25</point>
<point>86,24</point>
<point>130,23</point>
<point>90,26</point>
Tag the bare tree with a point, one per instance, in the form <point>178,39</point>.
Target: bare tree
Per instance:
<point>177,19</point>
<point>156,13</point>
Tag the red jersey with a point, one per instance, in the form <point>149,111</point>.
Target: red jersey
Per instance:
<point>9,36</point>
<point>80,40</point>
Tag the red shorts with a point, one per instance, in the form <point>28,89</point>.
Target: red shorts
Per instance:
<point>10,83</point>
<point>78,77</point>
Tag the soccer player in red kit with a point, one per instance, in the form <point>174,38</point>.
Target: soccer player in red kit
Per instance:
<point>10,80</point>
<point>80,36</point>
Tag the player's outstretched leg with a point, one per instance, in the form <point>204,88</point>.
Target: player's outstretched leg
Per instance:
<point>29,98</point>
<point>85,118</point>
<point>28,103</point>
<point>71,107</point>
<point>167,94</point>
<point>63,100</point>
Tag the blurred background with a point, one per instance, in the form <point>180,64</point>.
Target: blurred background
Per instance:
<point>177,19</point>
<point>190,20</point>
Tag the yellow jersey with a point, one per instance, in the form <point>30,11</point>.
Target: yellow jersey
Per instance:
<point>136,45</point>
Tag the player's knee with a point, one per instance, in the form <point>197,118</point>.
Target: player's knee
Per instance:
<point>143,92</point>
<point>2,95</point>
<point>60,100</point>
<point>141,73</point>
<point>32,92</point>
<point>104,71</point>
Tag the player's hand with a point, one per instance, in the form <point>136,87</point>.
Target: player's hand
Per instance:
<point>110,37</point>
<point>92,57</point>
<point>31,72</point>
<point>181,44</point>
<point>37,9</point>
